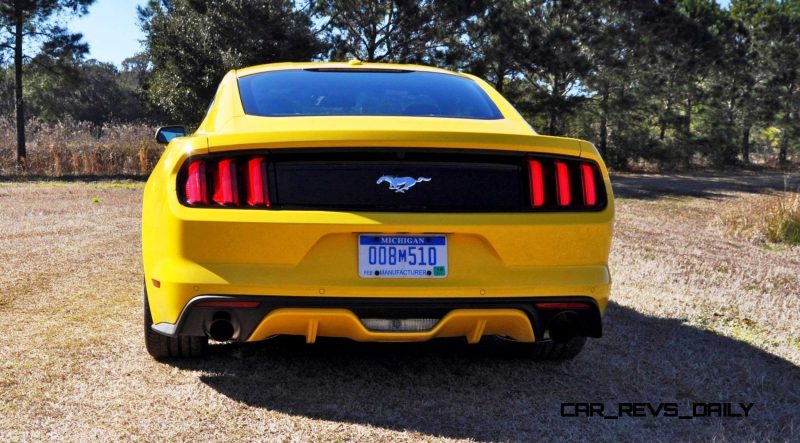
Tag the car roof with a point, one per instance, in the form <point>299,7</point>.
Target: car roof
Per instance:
<point>352,65</point>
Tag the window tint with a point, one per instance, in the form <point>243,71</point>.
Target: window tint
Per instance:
<point>354,92</point>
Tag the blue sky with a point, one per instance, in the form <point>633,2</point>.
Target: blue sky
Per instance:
<point>112,29</point>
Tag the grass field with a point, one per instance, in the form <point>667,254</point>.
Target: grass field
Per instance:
<point>697,316</point>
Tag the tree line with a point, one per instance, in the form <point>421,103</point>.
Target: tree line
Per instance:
<point>671,82</point>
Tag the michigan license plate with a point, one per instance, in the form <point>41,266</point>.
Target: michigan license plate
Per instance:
<point>402,256</point>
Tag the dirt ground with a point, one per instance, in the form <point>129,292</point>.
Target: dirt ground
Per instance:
<point>697,316</point>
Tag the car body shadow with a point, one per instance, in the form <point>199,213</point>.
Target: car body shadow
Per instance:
<point>450,389</point>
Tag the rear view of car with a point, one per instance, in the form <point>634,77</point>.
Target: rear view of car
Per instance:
<point>377,203</point>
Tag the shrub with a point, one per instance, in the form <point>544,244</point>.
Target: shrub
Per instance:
<point>783,221</point>
<point>775,219</point>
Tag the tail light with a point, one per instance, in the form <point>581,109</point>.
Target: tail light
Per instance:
<point>565,184</point>
<point>563,194</point>
<point>196,189</point>
<point>226,183</point>
<point>537,183</point>
<point>257,188</point>
<point>229,182</point>
<point>589,189</point>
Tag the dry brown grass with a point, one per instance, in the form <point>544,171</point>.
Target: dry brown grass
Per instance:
<point>79,148</point>
<point>697,315</point>
<point>775,219</point>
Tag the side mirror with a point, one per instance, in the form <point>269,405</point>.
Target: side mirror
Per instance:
<point>165,134</point>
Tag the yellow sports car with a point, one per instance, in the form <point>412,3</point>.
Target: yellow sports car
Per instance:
<point>375,202</point>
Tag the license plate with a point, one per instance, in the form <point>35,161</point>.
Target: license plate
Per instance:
<point>402,256</point>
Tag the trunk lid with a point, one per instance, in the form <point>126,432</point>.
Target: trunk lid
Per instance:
<point>249,132</point>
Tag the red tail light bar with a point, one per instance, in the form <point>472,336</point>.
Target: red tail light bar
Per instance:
<point>226,183</point>
<point>196,185</point>
<point>257,187</point>
<point>537,183</point>
<point>563,194</point>
<point>562,184</point>
<point>589,186</point>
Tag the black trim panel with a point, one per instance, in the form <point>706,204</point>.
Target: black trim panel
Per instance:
<point>473,181</point>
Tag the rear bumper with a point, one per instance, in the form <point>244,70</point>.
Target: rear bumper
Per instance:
<point>522,319</point>
<point>302,253</point>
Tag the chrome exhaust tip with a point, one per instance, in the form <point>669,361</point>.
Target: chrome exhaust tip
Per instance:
<point>221,327</point>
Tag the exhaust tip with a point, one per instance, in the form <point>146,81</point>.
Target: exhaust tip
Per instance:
<point>221,330</point>
<point>563,326</point>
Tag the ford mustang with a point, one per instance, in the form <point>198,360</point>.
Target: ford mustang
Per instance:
<point>375,202</point>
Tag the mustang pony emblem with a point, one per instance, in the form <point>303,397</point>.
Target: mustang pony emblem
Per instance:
<point>401,184</point>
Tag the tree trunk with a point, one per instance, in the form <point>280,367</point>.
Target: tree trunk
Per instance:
<point>18,99</point>
<point>783,154</point>
<point>668,110</point>
<point>663,130</point>
<point>553,117</point>
<point>501,78</point>
<point>687,129</point>
<point>604,122</point>
<point>746,145</point>
<point>620,126</point>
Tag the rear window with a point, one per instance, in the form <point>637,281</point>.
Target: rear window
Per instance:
<point>352,92</point>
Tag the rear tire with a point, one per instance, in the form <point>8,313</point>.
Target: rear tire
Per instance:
<point>549,350</point>
<point>163,347</point>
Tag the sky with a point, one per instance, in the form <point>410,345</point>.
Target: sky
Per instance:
<point>111,28</point>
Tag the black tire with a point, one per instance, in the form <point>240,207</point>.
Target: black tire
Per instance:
<point>548,350</point>
<point>163,347</point>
